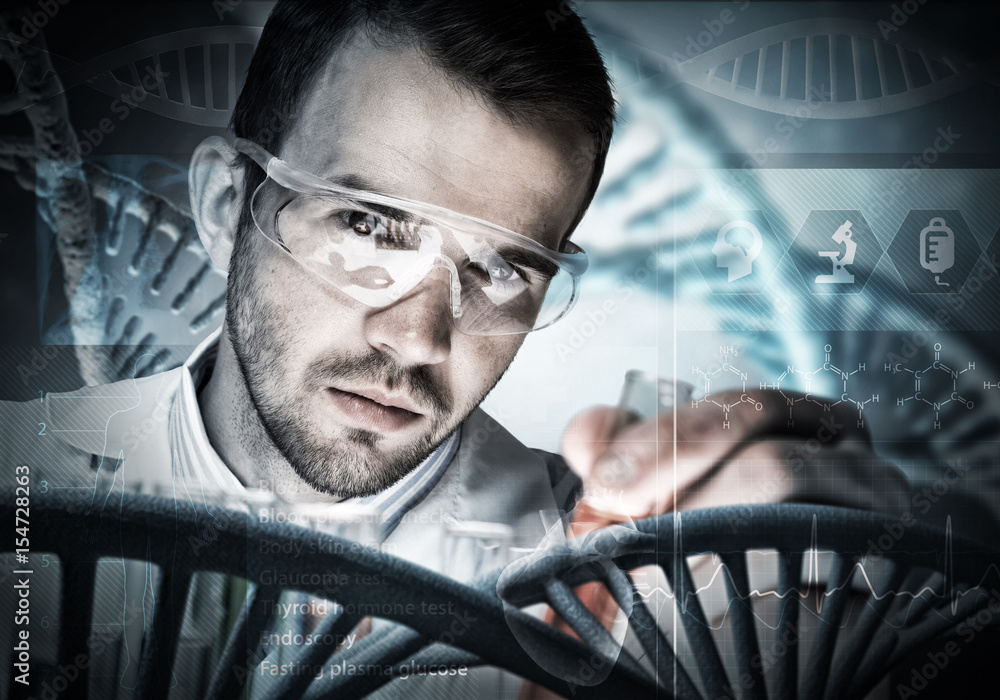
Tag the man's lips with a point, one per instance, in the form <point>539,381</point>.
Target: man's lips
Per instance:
<point>372,409</point>
<point>390,400</point>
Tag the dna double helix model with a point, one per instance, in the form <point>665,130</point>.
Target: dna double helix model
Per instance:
<point>135,272</point>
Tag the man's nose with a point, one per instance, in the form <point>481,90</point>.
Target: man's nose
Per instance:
<point>417,329</point>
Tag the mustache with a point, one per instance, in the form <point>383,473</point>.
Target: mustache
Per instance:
<point>377,368</point>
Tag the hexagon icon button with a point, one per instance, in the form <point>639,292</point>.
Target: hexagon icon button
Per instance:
<point>736,252</point>
<point>934,251</point>
<point>836,251</point>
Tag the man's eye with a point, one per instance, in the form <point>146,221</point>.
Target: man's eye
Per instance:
<point>497,270</point>
<point>362,222</point>
<point>500,271</point>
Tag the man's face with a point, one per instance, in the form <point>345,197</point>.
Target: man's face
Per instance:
<point>354,396</point>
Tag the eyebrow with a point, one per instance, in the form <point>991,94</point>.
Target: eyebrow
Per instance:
<point>393,213</point>
<point>526,258</point>
<point>353,182</point>
<point>512,254</point>
<point>359,182</point>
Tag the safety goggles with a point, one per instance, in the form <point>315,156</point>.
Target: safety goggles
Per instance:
<point>376,248</point>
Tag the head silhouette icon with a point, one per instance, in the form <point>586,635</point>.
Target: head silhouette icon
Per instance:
<point>736,247</point>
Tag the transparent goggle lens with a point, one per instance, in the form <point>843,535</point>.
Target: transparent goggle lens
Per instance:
<point>377,255</point>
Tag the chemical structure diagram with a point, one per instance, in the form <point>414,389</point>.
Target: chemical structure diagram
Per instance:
<point>726,352</point>
<point>937,367</point>
<point>818,381</point>
<point>791,399</point>
<point>841,376</point>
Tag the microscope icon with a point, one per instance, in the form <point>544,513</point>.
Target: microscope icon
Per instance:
<point>840,274</point>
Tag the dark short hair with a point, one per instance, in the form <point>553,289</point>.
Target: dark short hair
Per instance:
<point>532,61</point>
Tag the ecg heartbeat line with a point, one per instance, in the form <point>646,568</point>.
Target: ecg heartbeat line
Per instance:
<point>940,587</point>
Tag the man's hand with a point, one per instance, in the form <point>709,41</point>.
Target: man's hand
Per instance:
<point>823,457</point>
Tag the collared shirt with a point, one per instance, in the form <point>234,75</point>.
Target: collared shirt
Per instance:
<point>145,435</point>
<point>198,462</point>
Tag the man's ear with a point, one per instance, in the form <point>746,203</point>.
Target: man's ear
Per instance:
<point>216,197</point>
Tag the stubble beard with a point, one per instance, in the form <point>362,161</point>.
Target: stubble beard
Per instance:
<point>351,464</point>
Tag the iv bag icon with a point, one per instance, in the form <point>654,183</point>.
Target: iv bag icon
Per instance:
<point>937,249</point>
